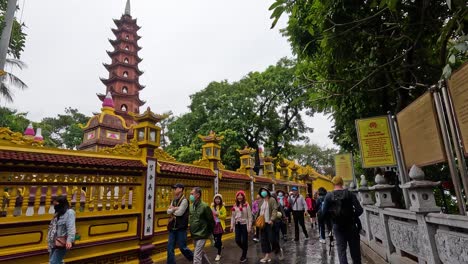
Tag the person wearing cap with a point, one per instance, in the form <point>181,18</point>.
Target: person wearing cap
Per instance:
<point>219,214</point>
<point>201,225</point>
<point>241,223</point>
<point>344,208</point>
<point>298,206</point>
<point>268,209</point>
<point>178,224</point>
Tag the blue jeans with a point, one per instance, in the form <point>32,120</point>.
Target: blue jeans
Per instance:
<point>56,255</point>
<point>180,237</point>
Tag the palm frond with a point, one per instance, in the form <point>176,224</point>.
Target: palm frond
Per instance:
<point>16,63</point>
<point>15,81</point>
<point>5,91</point>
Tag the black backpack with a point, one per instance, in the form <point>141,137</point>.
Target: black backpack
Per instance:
<point>342,211</point>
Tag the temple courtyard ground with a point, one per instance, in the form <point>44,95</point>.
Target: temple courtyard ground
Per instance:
<point>302,252</point>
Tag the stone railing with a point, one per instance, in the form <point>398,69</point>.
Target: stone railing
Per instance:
<point>419,235</point>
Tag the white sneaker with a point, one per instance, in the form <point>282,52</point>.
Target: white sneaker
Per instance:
<point>218,258</point>
<point>322,241</point>
<point>281,254</point>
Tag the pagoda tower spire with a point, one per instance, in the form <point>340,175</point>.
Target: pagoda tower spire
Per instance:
<point>123,81</point>
<point>127,8</point>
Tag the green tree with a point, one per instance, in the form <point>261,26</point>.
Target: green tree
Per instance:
<point>263,108</point>
<point>319,158</point>
<point>17,43</point>
<point>11,118</point>
<point>366,58</point>
<point>63,131</point>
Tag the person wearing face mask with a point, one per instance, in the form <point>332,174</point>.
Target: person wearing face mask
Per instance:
<point>241,223</point>
<point>268,209</point>
<point>178,224</point>
<point>284,204</point>
<point>201,225</point>
<point>62,230</point>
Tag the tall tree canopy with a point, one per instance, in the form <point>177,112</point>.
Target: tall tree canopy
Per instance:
<point>364,58</point>
<point>263,108</point>
<point>319,158</point>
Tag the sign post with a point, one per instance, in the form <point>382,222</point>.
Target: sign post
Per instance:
<point>402,172</point>
<point>375,142</point>
<point>344,167</point>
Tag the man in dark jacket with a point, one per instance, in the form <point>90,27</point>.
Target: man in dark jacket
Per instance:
<point>178,224</point>
<point>344,208</point>
<point>201,225</point>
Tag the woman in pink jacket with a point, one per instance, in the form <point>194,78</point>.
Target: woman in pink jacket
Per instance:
<point>241,223</point>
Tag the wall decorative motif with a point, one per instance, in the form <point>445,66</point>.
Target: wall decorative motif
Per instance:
<point>160,154</point>
<point>376,226</point>
<point>452,247</point>
<point>405,236</point>
<point>128,149</point>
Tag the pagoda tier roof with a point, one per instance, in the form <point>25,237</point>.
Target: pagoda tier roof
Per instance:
<point>117,94</point>
<point>232,175</point>
<point>181,169</point>
<point>123,64</point>
<point>126,80</point>
<point>122,20</point>
<point>67,158</point>
<point>119,30</point>
<point>115,42</point>
<point>131,53</point>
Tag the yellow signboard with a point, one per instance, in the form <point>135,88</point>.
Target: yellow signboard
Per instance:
<point>420,138</point>
<point>458,87</point>
<point>375,142</point>
<point>344,166</point>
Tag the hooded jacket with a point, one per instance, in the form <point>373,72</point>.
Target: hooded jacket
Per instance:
<point>221,211</point>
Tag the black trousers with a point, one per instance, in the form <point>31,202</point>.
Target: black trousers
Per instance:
<point>299,220</point>
<point>268,241</point>
<point>218,242</point>
<point>242,238</point>
<point>344,237</point>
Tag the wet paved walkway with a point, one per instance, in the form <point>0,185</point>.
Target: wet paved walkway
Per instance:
<point>302,252</point>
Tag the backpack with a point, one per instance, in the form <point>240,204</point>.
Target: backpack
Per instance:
<point>342,211</point>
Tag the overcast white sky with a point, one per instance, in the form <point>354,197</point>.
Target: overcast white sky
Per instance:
<point>186,44</point>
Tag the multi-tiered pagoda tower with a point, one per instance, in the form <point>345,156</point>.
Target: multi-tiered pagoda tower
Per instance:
<point>123,82</point>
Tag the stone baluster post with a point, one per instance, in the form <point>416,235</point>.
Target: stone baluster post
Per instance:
<point>383,199</point>
<point>422,202</point>
<point>365,198</point>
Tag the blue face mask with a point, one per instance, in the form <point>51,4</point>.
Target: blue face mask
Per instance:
<point>264,194</point>
<point>192,198</point>
<point>280,195</point>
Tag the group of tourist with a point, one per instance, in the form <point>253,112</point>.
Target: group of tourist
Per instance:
<point>337,212</point>
<point>267,219</point>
